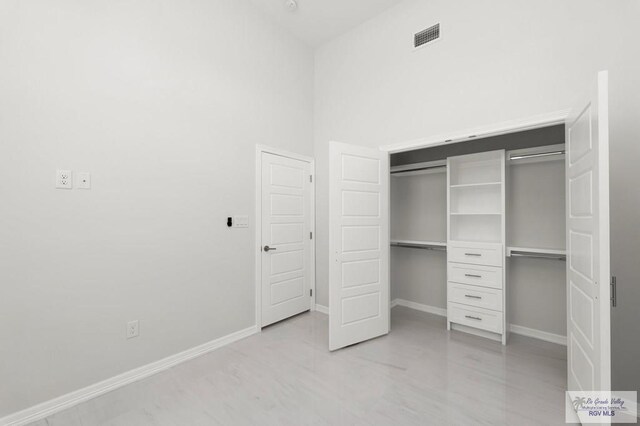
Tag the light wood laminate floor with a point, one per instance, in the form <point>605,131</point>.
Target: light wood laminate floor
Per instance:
<point>419,374</point>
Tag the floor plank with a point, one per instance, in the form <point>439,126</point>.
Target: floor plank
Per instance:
<point>419,374</point>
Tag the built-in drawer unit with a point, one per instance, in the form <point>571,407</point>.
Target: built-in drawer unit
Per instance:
<point>484,319</point>
<point>480,297</point>
<point>486,276</point>
<point>475,253</point>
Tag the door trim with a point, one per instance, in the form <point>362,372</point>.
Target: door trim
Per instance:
<point>260,149</point>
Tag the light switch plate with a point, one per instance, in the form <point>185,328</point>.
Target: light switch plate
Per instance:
<point>241,221</point>
<point>83,180</point>
<point>64,179</point>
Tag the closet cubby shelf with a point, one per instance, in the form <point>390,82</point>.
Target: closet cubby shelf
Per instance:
<point>471,185</point>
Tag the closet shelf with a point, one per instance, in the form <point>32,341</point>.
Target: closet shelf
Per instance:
<point>472,185</point>
<point>426,245</point>
<point>541,253</point>
<point>476,214</point>
<point>474,241</point>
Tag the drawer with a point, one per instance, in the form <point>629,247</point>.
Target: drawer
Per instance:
<point>480,297</point>
<point>475,253</point>
<point>486,276</point>
<point>475,317</point>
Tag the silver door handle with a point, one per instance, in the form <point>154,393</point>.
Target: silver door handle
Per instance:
<point>472,254</point>
<point>473,318</point>
<point>268,249</point>
<point>472,297</point>
<point>473,275</point>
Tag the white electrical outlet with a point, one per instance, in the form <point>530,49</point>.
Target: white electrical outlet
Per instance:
<point>133,329</point>
<point>83,180</point>
<point>64,179</point>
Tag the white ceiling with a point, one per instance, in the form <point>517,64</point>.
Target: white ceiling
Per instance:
<point>318,21</point>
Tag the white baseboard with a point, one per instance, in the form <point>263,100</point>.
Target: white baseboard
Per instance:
<point>516,329</point>
<point>419,307</point>
<point>538,334</point>
<point>322,309</point>
<point>69,400</point>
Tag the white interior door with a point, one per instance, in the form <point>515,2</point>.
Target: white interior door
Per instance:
<point>286,237</point>
<point>358,244</point>
<point>588,322</point>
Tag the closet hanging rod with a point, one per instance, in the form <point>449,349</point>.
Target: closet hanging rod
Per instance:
<point>420,246</point>
<point>536,155</point>
<point>560,257</point>
<point>418,169</point>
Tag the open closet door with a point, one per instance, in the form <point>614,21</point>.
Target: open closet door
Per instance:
<point>587,168</point>
<point>358,244</point>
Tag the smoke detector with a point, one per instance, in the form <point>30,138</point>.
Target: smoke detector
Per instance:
<point>292,5</point>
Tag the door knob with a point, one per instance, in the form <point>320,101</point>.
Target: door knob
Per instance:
<point>268,249</point>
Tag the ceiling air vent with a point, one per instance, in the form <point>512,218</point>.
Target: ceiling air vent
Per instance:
<point>426,36</point>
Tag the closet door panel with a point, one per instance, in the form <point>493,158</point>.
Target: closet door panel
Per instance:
<point>588,256</point>
<point>480,297</point>
<point>485,276</point>
<point>358,244</point>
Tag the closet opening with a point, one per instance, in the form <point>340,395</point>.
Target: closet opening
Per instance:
<point>478,234</point>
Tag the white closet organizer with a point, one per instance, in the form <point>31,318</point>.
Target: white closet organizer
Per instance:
<point>483,242</point>
<point>476,295</point>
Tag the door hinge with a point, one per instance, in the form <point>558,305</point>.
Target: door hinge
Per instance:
<point>614,292</point>
<point>311,235</point>
<point>310,178</point>
<point>310,292</point>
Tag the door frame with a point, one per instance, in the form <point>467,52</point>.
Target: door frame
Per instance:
<point>260,149</point>
<point>501,128</point>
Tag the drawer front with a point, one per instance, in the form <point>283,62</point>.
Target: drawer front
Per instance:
<point>476,254</point>
<point>475,317</point>
<point>486,276</point>
<point>480,297</point>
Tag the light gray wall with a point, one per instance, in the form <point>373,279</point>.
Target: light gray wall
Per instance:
<point>419,276</point>
<point>163,102</point>
<point>535,201</point>
<point>419,207</point>
<point>537,294</point>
